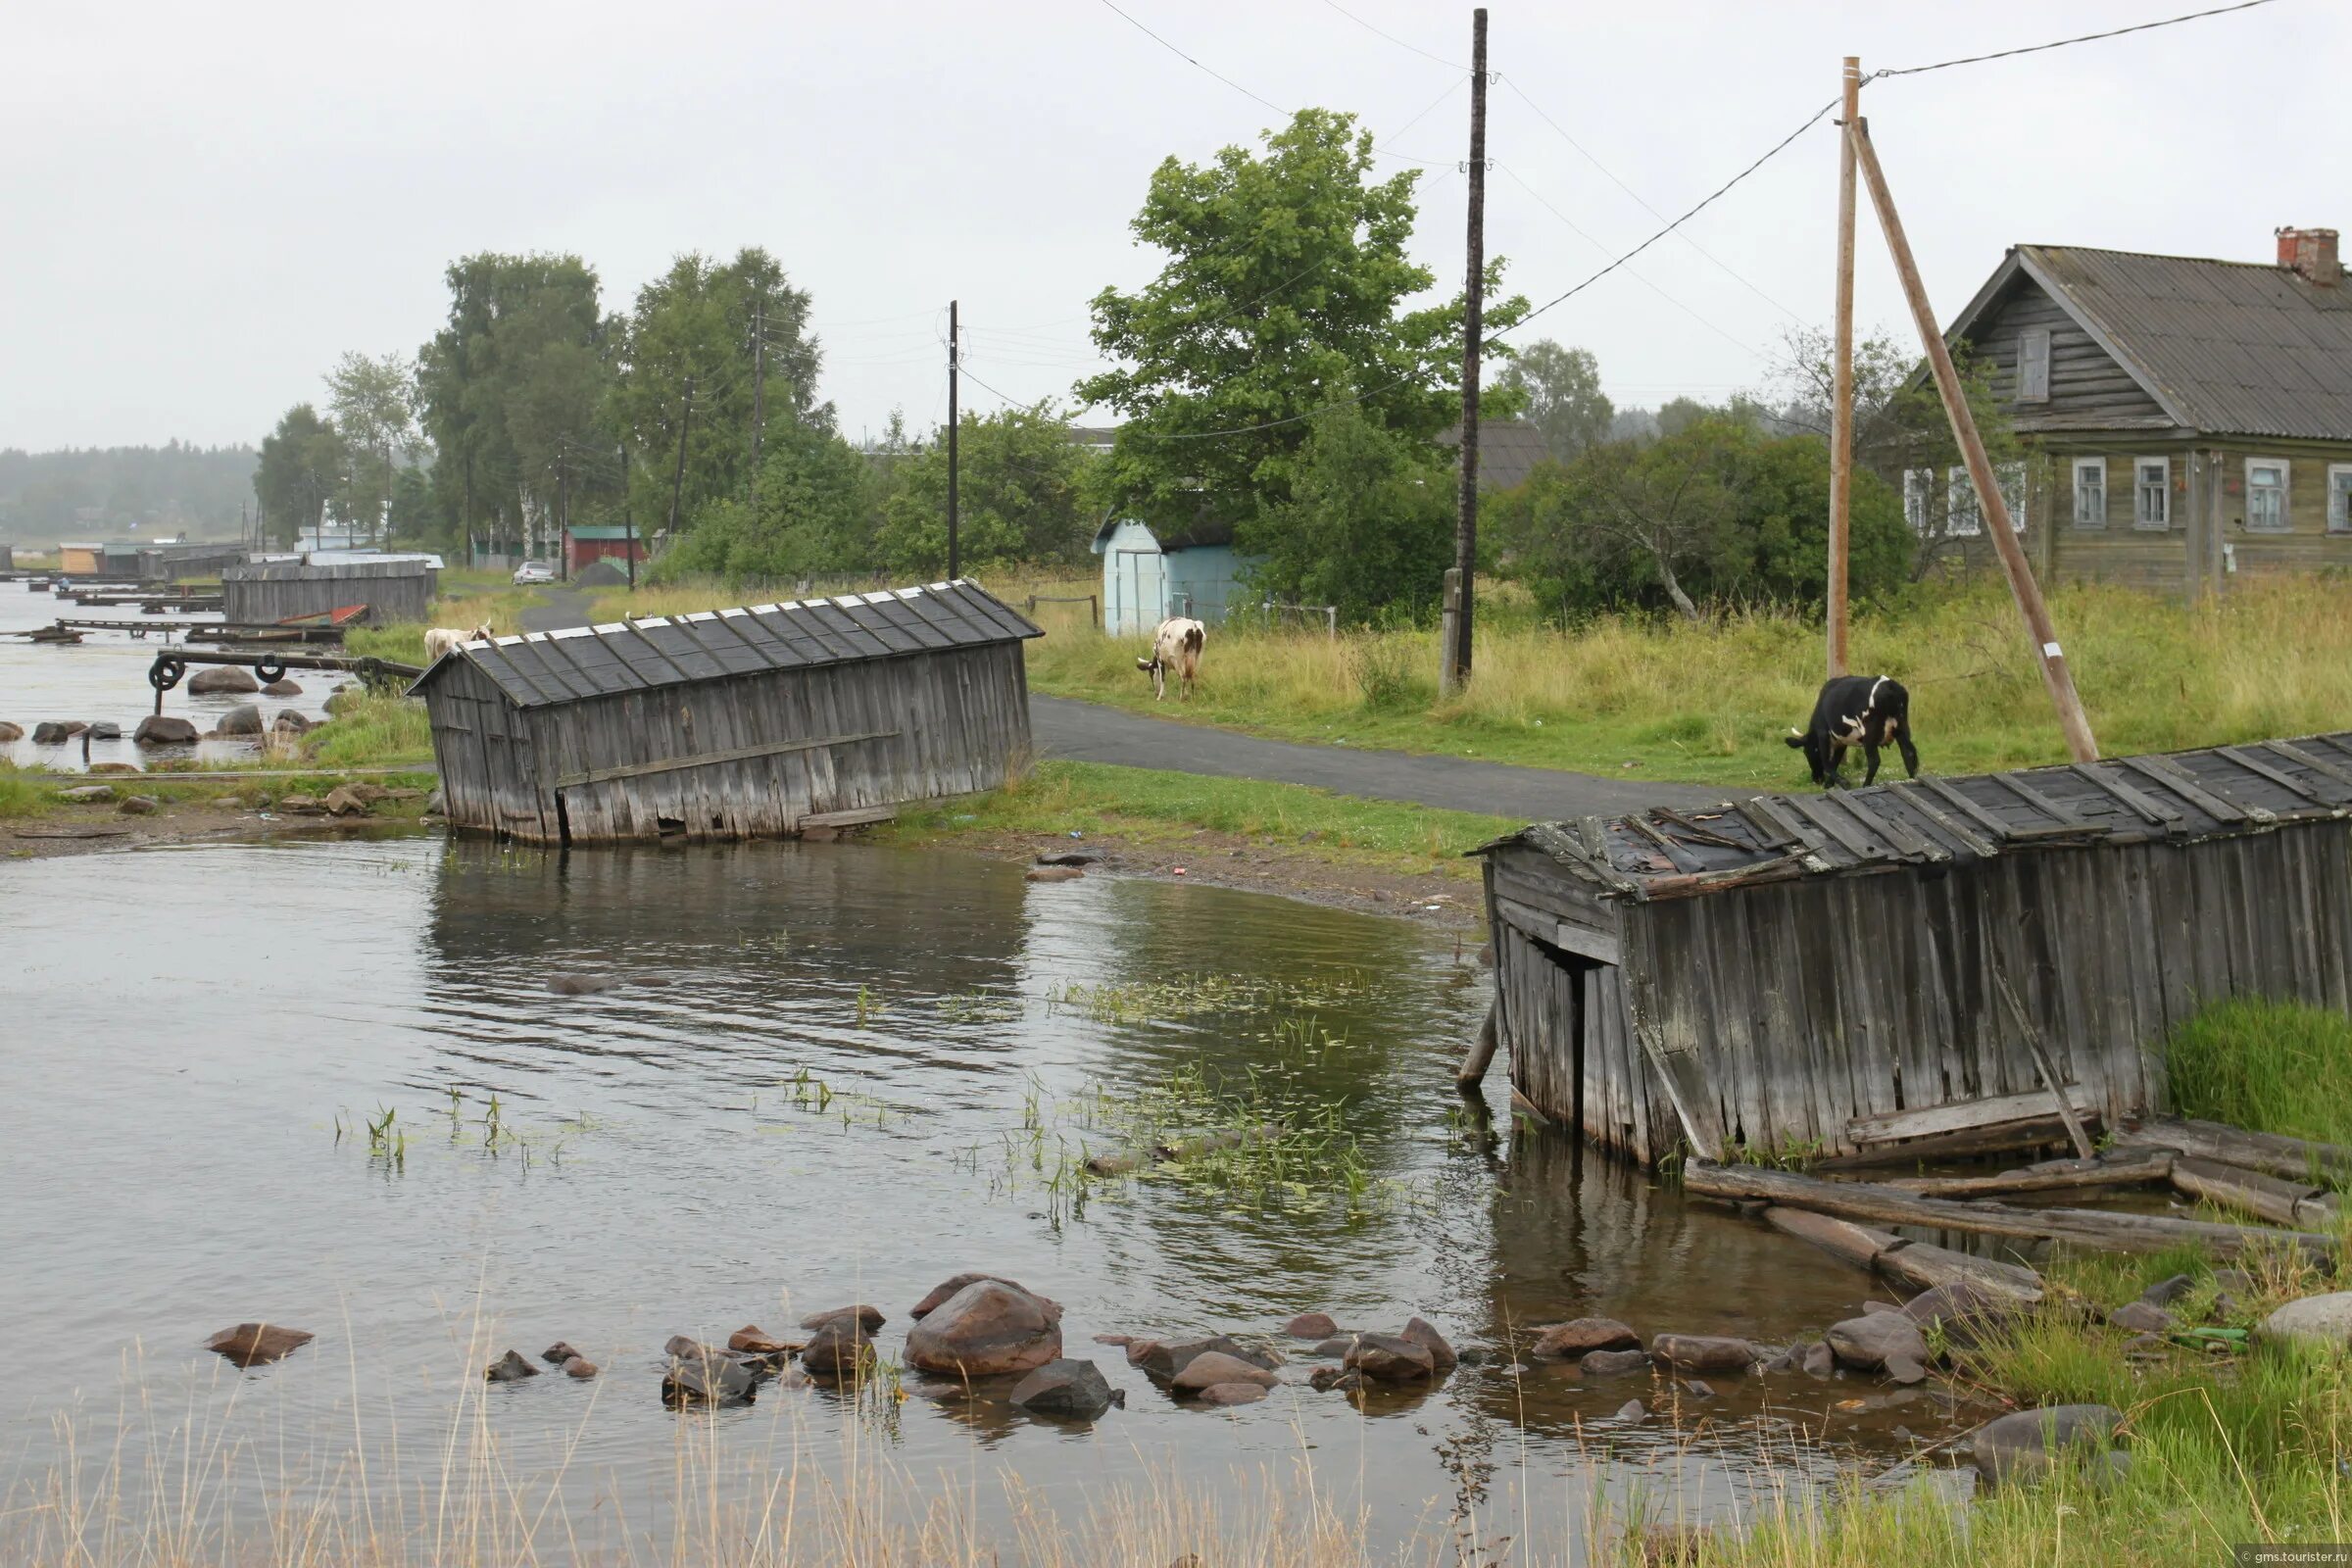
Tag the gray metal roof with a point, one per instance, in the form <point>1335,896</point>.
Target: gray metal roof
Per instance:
<point>2229,348</point>
<point>2218,793</point>
<point>541,670</point>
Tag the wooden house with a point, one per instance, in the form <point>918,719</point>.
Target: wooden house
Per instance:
<point>264,592</point>
<point>758,722</point>
<point>1825,972</point>
<point>2187,422</point>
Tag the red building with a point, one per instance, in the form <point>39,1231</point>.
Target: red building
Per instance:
<point>591,542</point>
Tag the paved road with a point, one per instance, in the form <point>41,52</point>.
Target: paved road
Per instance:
<point>1089,732</point>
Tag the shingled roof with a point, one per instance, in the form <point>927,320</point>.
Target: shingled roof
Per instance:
<point>540,670</point>
<point>2227,348</point>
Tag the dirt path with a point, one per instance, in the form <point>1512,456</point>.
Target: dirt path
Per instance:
<point>558,608</point>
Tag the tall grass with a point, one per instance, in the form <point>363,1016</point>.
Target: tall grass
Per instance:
<point>25,793</point>
<point>2273,1066</point>
<point>371,729</point>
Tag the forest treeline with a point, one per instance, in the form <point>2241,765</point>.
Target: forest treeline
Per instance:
<point>109,492</point>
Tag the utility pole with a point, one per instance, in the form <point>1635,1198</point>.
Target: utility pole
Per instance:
<point>563,516</point>
<point>1842,405</point>
<point>677,477</point>
<point>628,515</point>
<point>954,554</point>
<point>759,388</point>
<point>1454,673</point>
<point>1989,505</point>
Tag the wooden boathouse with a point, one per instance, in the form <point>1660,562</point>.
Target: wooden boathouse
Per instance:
<point>1826,972</point>
<point>757,723</point>
<point>265,592</point>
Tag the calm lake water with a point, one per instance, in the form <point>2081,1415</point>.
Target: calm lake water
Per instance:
<point>188,1027</point>
<point>105,677</point>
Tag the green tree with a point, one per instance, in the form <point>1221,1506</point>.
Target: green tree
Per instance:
<point>1562,389</point>
<point>739,331</point>
<point>1283,295</point>
<point>1021,497</point>
<point>1367,523</point>
<point>301,469</point>
<point>373,405</point>
<point>813,516</point>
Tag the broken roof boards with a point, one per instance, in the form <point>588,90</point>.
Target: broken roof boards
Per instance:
<point>1823,971</point>
<point>732,724</point>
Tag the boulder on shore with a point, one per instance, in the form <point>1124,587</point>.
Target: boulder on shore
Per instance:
<point>1969,1312</point>
<point>138,805</point>
<point>1702,1352</point>
<point>2025,1444</point>
<point>2316,1322</point>
<point>1072,1389</point>
<point>222,678</point>
<point>289,722</point>
<point>164,729</point>
<point>1581,1337</point>
<point>87,794</point>
<point>987,1328</point>
<point>258,1344</point>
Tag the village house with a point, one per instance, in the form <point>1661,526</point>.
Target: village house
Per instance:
<point>2186,421</point>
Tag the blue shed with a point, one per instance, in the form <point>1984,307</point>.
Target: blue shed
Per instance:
<point>1147,576</point>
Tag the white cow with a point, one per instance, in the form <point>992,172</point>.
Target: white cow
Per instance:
<point>1177,642</point>
<point>443,639</point>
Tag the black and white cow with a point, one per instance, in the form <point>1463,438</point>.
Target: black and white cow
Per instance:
<point>1865,711</point>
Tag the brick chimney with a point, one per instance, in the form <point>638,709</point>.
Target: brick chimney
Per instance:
<point>2310,252</point>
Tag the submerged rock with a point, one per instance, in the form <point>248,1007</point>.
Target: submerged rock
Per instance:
<point>510,1368</point>
<point>10,732</point>
<point>1702,1352</point>
<point>1867,1343</point>
<point>281,687</point>
<point>1311,1326</point>
<point>869,1318</point>
<point>752,1340</point>
<point>1068,1387</point>
<point>103,729</point>
<point>1633,1411</point>
<point>1213,1367</point>
<point>838,1348</point>
<point>558,1352</point>
<point>988,1328</point>
<point>706,1380</point>
<point>1323,1379</point>
<point>258,1344</point>
<point>578,985</point>
<point>1425,1334</point>
<point>1165,1359</point>
<point>1229,1393</point>
<point>1052,873</point>
<point>579,1366</point>
<point>1580,1337</point>
<point>2023,1445</point>
<point>1819,1361</point>
<point>1611,1363</point>
<point>222,678</point>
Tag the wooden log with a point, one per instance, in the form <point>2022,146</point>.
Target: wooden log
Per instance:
<point>2272,1197</point>
<point>1843,1238</point>
<point>1481,1053</point>
<point>2050,1079</point>
<point>1923,1266</point>
<point>2080,1227</point>
<point>2032,1132</point>
<point>2136,1169</point>
<point>2278,1155</point>
<point>1965,1115</point>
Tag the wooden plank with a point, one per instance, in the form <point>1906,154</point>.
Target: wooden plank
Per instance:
<point>2173,776</point>
<point>2246,760</point>
<point>2303,758</point>
<point>1963,1116</point>
<point>671,764</point>
<point>2003,1137</point>
<point>2126,1170</point>
<point>2055,811</point>
<point>2155,813</point>
<point>2041,1059</point>
<point>851,819</point>
<point>1602,946</point>
<point>1999,831</point>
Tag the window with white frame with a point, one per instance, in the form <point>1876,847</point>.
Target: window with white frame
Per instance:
<point>1965,520</point>
<point>2034,365</point>
<point>2152,492</point>
<point>2091,492</point>
<point>1919,490</point>
<point>2339,498</point>
<point>2265,495</point>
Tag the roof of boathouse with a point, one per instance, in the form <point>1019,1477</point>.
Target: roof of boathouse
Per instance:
<point>547,669</point>
<point>1928,821</point>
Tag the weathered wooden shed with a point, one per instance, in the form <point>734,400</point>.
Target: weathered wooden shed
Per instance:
<point>261,592</point>
<point>735,723</point>
<point>1824,972</point>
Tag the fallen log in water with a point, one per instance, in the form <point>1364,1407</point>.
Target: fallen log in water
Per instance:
<point>2140,1167</point>
<point>2270,1153</point>
<point>1921,1265</point>
<point>2270,1198</point>
<point>1891,1206</point>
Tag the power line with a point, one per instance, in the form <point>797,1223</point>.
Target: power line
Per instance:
<point>1195,64</point>
<point>2061,43</point>
<point>1393,38</point>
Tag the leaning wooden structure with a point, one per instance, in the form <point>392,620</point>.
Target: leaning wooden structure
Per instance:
<point>1825,972</point>
<point>758,722</point>
<point>265,592</point>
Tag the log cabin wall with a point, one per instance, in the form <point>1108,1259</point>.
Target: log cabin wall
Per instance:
<point>266,592</point>
<point>1802,997</point>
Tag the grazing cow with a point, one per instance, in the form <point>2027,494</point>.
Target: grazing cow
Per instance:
<point>441,639</point>
<point>1177,643</point>
<point>1865,711</point>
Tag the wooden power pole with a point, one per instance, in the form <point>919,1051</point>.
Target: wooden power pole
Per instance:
<point>1841,376</point>
<point>1989,505</point>
<point>629,516</point>
<point>678,476</point>
<point>955,554</point>
<point>759,388</point>
<point>1454,673</point>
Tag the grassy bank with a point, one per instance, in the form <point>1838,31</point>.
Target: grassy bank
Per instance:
<point>2275,1066</point>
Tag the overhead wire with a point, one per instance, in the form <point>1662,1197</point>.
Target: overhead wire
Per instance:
<point>2063,43</point>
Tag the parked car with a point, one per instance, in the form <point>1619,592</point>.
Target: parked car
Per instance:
<point>535,572</point>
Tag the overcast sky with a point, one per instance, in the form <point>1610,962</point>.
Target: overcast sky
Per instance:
<point>207,205</point>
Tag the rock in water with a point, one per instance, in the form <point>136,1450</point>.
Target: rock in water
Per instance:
<point>579,1366</point>
<point>164,729</point>
<point>1423,1333</point>
<point>1580,1337</point>
<point>839,1348</point>
<point>2023,1445</point>
<point>1311,1326</point>
<point>10,732</point>
<point>1702,1353</point>
<point>1213,1367</point>
<point>282,688</point>
<point>509,1368</point>
<point>242,720</point>
<point>1610,1363</point>
<point>1227,1393</point>
<point>103,729</point>
<point>948,1287</point>
<point>1325,1378</point>
<point>52,732</point>
<point>1390,1359</point>
<point>706,1380</point>
<point>222,678</point>
<point>1165,1359</point>
<point>987,1328</point>
<point>869,1318</point>
<point>752,1340</point>
<point>1633,1411</point>
<point>1052,873</point>
<point>1969,1312</point>
<point>1073,1389</point>
<point>1868,1342</point>
<point>258,1344</point>
<point>578,985</point>
<point>558,1352</point>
